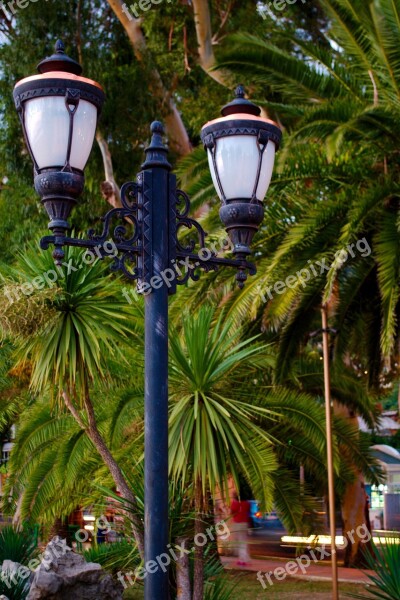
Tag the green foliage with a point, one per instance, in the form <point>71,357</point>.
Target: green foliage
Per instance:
<point>82,320</point>
<point>23,222</point>
<point>115,557</point>
<point>328,75</point>
<point>18,546</point>
<point>13,591</point>
<point>336,180</point>
<point>54,465</point>
<point>219,588</point>
<point>181,515</point>
<point>217,585</point>
<point>384,560</point>
<point>213,430</point>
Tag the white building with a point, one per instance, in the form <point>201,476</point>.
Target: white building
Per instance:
<point>385,498</point>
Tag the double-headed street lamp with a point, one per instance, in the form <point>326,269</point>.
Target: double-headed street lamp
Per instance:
<point>58,110</point>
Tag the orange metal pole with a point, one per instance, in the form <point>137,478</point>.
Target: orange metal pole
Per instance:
<point>329,449</point>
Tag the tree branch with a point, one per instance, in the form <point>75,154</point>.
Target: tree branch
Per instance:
<point>224,19</point>
<point>202,18</point>
<point>116,473</point>
<point>72,409</point>
<point>109,188</point>
<point>92,431</point>
<point>176,129</point>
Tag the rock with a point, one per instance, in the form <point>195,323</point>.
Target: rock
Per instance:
<point>14,572</point>
<point>10,566</point>
<point>65,575</point>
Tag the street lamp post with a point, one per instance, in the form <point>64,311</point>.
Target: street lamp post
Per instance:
<point>58,110</point>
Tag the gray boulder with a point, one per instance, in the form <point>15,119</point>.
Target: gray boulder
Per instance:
<point>65,575</point>
<point>13,573</point>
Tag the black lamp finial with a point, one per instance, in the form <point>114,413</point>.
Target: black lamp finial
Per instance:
<point>240,92</point>
<point>59,61</point>
<point>240,105</point>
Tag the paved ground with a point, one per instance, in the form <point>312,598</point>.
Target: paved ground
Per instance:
<point>314,572</point>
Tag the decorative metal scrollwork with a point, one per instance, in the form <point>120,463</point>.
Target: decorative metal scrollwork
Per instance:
<point>189,262</point>
<point>128,213</point>
<point>183,220</point>
<point>125,238</point>
<point>127,242</point>
<point>127,229</point>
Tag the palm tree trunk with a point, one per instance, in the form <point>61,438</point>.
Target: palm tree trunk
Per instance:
<point>355,512</point>
<point>198,580</point>
<point>60,528</point>
<point>95,436</point>
<point>183,591</point>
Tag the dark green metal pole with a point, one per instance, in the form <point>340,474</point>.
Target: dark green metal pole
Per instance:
<point>156,231</point>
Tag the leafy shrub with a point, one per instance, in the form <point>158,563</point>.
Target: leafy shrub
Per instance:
<point>217,586</point>
<point>385,561</point>
<point>18,546</point>
<point>119,556</point>
<point>17,589</point>
<point>220,588</point>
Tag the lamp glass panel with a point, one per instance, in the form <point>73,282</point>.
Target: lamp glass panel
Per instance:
<point>267,166</point>
<point>237,159</point>
<point>47,128</point>
<point>85,122</point>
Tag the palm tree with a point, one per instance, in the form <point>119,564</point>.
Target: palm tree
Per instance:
<point>68,334</point>
<point>226,419</point>
<point>213,430</point>
<point>53,468</point>
<point>348,100</point>
<point>337,185</point>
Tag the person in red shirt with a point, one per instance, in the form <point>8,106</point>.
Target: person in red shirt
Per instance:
<point>240,510</point>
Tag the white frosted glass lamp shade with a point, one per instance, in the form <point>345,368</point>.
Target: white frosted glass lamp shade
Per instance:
<point>237,162</point>
<point>241,148</point>
<point>241,153</point>
<point>58,112</point>
<point>47,123</point>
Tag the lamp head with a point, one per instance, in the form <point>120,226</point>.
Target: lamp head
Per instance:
<point>59,110</point>
<point>241,148</point>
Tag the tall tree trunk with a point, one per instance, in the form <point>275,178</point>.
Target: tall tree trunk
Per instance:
<point>183,591</point>
<point>202,19</point>
<point>176,129</point>
<point>198,579</point>
<point>95,436</point>
<point>398,382</point>
<point>60,528</point>
<point>355,512</point>
<point>109,188</point>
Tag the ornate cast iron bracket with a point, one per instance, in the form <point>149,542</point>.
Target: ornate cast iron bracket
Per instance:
<point>129,230</point>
